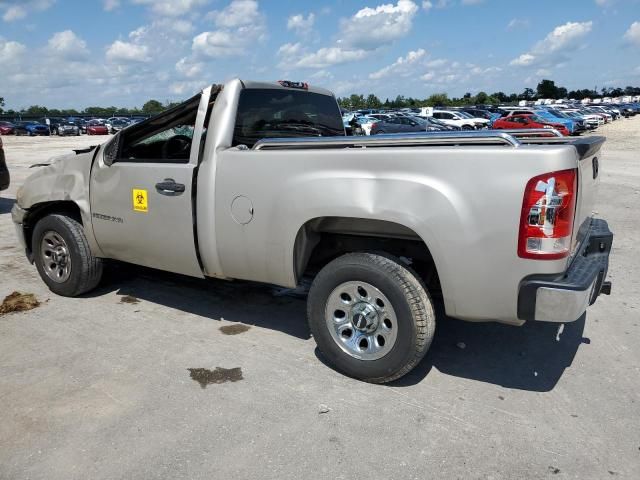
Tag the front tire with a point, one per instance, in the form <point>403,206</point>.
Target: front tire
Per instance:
<point>63,257</point>
<point>371,316</point>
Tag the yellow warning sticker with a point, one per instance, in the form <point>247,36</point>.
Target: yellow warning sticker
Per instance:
<point>140,200</point>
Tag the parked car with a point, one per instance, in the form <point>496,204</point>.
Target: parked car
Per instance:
<point>545,115</point>
<point>6,128</point>
<point>4,170</point>
<point>353,214</point>
<point>94,127</point>
<point>66,127</point>
<point>81,123</point>
<point>454,118</point>
<point>396,124</point>
<point>528,121</point>
<point>118,124</point>
<point>31,128</point>
<point>579,124</point>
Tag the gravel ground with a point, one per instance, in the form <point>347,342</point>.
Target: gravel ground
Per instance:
<point>112,385</point>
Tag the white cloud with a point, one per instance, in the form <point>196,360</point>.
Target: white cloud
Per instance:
<point>68,45</point>
<point>633,34</point>
<point>237,13</point>
<point>360,35</point>
<point>120,51</point>
<point>290,50</point>
<point>325,57</point>
<point>241,25</point>
<point>370,28</point>
<point>110,5</point>
<point>556,46</point>
<point>471,2</point>
<point>10,52</point>
<point>17,10</point>
<point>427,5</point>
<point>172,8</point>
<point>402,66</point>
<point>605,3</point>
<point>516,23</point>
<point>300,24</point>
<point>216,44</point>
<point>189,68</point>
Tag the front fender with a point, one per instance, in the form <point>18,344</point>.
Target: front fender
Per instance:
<point>66,179</point>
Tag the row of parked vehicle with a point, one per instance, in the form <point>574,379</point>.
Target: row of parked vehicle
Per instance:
<point>567,118</point>
<point>67,126</point>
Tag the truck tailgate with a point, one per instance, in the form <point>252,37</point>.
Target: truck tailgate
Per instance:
<point>589,155</point>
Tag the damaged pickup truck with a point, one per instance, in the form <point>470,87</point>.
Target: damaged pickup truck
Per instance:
<point>257,181</point>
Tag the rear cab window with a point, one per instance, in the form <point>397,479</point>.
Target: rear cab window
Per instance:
<point>281,113</point>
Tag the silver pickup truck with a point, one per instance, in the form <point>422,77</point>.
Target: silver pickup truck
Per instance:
<point>257,181</point>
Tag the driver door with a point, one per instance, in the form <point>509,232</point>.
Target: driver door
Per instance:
<point>141,190</point>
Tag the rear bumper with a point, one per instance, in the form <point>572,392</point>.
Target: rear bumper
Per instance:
<point>564,298</point>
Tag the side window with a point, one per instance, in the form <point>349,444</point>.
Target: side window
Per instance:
<point>165,138</point>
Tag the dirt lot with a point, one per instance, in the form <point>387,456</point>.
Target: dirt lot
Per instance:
<point>160,376</point>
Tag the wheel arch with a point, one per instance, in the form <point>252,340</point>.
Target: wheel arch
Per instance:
<point>322,239</point>
<point>40,210</point>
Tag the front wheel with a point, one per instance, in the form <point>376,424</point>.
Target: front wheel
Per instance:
<point>63,257</point>
<point>371,316</point>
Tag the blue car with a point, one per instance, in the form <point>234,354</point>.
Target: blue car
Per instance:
<point>31,128</point>
<point>547,115</point>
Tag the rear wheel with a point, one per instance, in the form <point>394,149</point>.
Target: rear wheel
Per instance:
<point>371,316</point>
<point>63,258</point>
<point>467,127</point>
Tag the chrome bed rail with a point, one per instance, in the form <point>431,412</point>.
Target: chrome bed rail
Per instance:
<point>508,138</point>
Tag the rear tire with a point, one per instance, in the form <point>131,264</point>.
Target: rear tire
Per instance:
<point>63,257</point>
<point>371,317</point>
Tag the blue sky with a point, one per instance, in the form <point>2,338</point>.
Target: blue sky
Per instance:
<point>77,53</point>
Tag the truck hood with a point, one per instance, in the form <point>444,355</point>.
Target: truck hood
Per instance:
<point>65,178</point>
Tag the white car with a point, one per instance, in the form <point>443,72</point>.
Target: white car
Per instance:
<point>459,119</point>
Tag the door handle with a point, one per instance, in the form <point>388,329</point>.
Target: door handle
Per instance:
<point>170,188</point>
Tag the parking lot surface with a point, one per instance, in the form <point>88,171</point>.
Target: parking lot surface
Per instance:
<point>160,376</point>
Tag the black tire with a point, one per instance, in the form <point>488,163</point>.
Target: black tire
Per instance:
<point>467,127</point>
<point>86,270</point>
<point>380,132</point>
<point>415,317</point>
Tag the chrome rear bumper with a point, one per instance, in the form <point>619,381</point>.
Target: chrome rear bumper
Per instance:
<point>566,297</point>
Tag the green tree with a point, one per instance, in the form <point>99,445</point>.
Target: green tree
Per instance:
<point>152,107</point>
<point>481,98</point>
<point>373,101</point>
<point>547,89</point>
<point>528,94</point>
<point>1,104</point>
<point>437,99</point>
<point>36,110</point>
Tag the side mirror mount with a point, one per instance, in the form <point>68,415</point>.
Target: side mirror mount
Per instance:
<point>111,150</point>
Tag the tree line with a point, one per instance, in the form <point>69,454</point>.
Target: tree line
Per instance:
<point>150,107</point>
<point>544,89</point>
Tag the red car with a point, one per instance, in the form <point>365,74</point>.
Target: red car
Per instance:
<point>97,128</point>
<point>528,121</point>
<point>6,128</point>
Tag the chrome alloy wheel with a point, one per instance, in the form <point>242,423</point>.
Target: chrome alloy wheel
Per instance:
<point>361,320</point>
<point>56,258</point>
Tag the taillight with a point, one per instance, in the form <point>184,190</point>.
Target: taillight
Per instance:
<point>546,221</point>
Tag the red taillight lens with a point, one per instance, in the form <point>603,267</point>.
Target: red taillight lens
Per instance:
<point>546,221</point>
